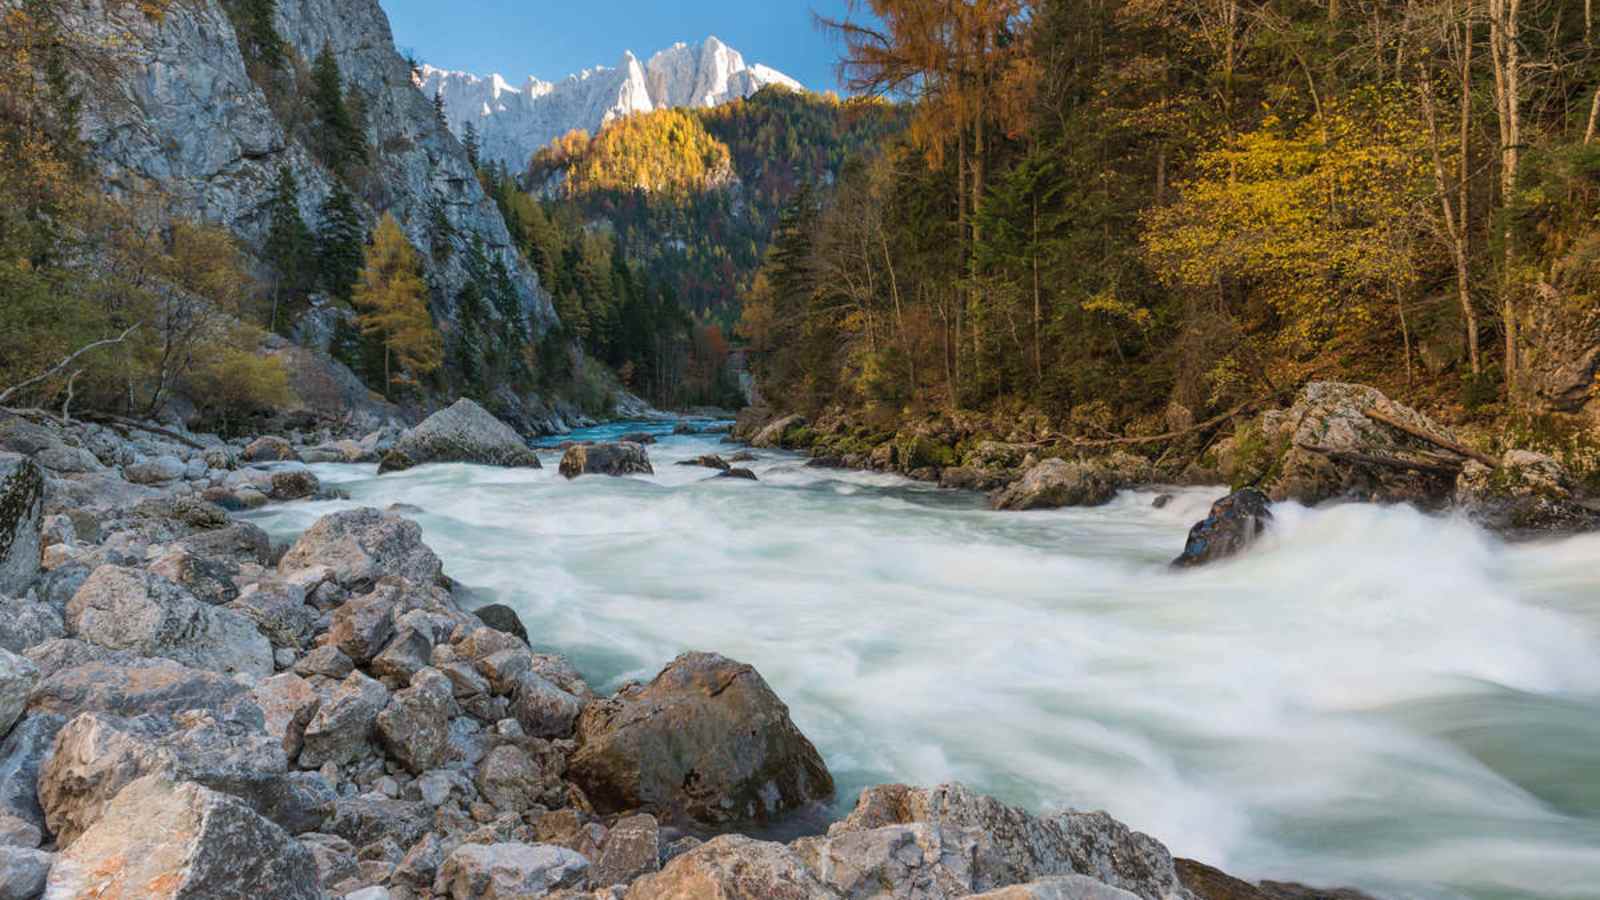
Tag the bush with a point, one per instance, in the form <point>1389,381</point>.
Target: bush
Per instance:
<point>237,385</point>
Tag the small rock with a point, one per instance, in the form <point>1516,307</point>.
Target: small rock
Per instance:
<point>738,473</point>
<point>605,459</point>
<point>508,871</point>
<point>338,732</point>
<point>415,726</point>
<point>632,849</point>
<point>23,872</point>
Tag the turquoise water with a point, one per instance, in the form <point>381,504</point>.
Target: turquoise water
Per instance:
<point>1373,698</point>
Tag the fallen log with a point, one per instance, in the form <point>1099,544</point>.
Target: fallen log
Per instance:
<point>1435,466</point>
<point>1436,440</point>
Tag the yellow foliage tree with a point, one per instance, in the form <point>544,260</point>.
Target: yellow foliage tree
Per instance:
<point>393,303</point>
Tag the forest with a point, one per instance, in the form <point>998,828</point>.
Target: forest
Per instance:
<point>1131,215</point>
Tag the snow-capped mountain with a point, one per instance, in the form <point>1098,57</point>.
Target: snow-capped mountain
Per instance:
<point>515,122</point>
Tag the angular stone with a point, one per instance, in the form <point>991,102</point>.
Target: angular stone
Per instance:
<point>706,740</point>
<point>1062,887</point>
<point>119,688</point>
<point>129,609</point>
<point>632,850</point>
<point>773,433</point>
<point>279,612</point>
<point>415,727</point>
<point>209,580</point>
<point>508,871</point>
<point>407,653</point>
<point>518,776</point>
<point>734,867</point>
<point>21,755</point>
<point>288,703</point>
<point>464,433</point>
<point>1234,523</point>
<point>502,618</point>
<point>161,470</point>
<point>543,709</point>
<point>1056,483</point>
<point>363,545</point>
<point>339,731</point>
<point>362,626</point>
<point>168,841</point>
<point>366,820</point>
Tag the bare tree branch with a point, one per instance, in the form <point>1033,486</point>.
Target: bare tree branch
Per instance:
<point>62,366</point>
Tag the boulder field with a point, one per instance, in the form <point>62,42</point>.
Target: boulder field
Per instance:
<point>188,712</point>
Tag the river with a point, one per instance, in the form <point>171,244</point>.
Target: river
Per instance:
<point>1373,697</point>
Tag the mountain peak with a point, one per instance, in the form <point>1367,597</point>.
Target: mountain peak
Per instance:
<point>513,123</point>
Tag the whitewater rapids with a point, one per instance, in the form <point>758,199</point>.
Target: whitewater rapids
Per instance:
<point>1374,697</point>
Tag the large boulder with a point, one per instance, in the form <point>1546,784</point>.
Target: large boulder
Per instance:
<point>82,677</point>
<point>707,741</point>
<point>775,434</point>
<point>621,458</point>
<point>269,449</point>
<point>1232,526</point>
<point>968,843</point>
<point>18,677</point>
<point>25,749</point>
<point>180,841</point>
<point>508,871</point>
<point>466,433</point>
<point>1055,483</point>
<point>363,545</point>
<point>21,508</point>
<point>1331,445</point>
<point>734,867</point>
<point>131,609</point>
<point>1527,494</point>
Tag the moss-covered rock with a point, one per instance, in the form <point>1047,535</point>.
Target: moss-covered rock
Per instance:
<point>21,506</point>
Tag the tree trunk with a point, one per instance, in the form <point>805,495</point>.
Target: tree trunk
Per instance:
<point>1507,55</point>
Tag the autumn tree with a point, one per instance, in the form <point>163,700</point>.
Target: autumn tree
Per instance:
<point>392,299</point>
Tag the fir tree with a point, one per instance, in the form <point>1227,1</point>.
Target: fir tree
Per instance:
<point>258,36</point>
<point>339,243</point>
<point>290,248</point>
<point>340,140</point>
<point>469,139</point>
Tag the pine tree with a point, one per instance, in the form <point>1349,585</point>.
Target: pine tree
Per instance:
<point>393,302</point>
<point>290,246</point>
<point>339,242</point>
<point>469,139</point>
<point>438,109</point>
<point>340,141</point>
<point>258,36</point>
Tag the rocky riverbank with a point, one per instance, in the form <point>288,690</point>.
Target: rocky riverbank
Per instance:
<point>1336,442</point>
<point>329,720</point>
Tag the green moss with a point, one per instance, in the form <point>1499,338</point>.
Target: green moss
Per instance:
<point>920,452</point>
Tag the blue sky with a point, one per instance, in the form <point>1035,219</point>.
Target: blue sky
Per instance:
<point>551,40</point>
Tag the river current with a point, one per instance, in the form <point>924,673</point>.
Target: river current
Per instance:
<point>1373,697</point>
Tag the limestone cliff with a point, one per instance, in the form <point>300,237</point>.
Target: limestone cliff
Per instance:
<point>175,116</point>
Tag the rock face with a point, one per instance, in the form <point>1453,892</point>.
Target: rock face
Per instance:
<point>21,506</point>
<point>363,545</point>
<point>707,741</point>
<point>605,459</point>
<point>179,841</point>
<point>465,433</point>
<point>205,133</point>
<point>514,122</point>
<point>1233,525</point>
<point>1055,483</point>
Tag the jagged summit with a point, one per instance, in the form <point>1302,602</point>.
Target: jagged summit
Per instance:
<point>514,122</point>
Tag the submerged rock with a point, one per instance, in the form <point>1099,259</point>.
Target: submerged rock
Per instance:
<point>738,472</point>
<point>1528,494</point>
<point>269,449</point>
<point>1233,525</point>
<point>465,433</point>
<point>605,459</point>
<point>709,461</point>
<point>707,740</point>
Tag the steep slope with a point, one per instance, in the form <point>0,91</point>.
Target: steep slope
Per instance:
<point>513,123</point>
<point>177,124</point>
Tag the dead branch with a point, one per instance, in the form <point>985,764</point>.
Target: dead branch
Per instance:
<point>62,366</point>
<point>66,405</point>
<point>121,425</point>
<point>1437,441</point>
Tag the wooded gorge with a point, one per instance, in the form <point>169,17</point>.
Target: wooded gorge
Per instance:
<point>1130,216</point>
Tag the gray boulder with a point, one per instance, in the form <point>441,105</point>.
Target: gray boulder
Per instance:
<point>502,618</point>
<point>23,872</point>
<point>363,545</point>
<point>21,818</point>
<point>465,433</point>
<point>21,510</point>
<point>186,842</point>
<point>130,609</point>
<point>415,726</point>
<point>83,677</point>
<point>18,677</point>
<point>606,459</point>
<point>269,449</point>
<point>707,740</point>
<point>1061,887</point>
<point>1055,483</point>
<point>158,471</point>
<point>774,433</point>
<point>632,850</point>
<point>737,868</point>
<point>339,731</point>
<point>508,871</point>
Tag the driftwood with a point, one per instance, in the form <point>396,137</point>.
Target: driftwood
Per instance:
<point>1419,434</point>
<point>1436,466</point>
<point>1212,422</point>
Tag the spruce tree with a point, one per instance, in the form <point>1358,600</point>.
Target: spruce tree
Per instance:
<point>258,35</point>
<point>290,246</point>
<point>340,238</point>
<point>469,139</point>
<point>340,141</point>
